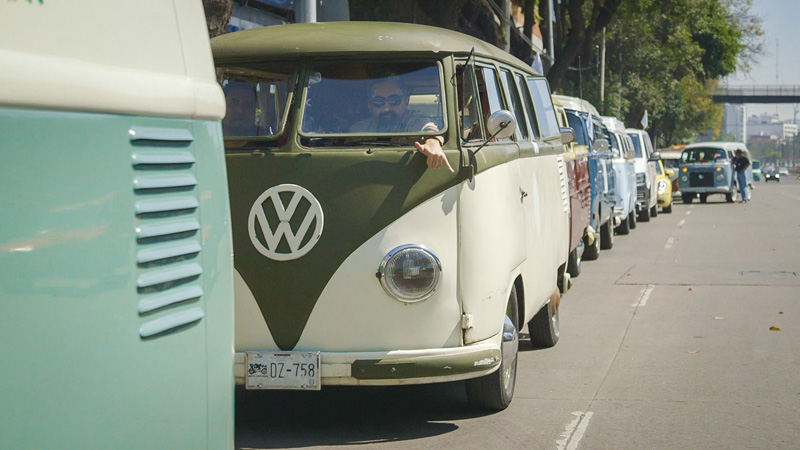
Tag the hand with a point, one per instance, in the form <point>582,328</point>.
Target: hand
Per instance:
<point>432,149</point>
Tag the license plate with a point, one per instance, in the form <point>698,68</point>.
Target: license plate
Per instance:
<point>282,370</point>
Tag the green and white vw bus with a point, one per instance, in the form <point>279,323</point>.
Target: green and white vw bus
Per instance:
<point>355,262</point>
<point>116,275</point>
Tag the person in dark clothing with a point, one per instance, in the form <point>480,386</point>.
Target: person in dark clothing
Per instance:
<point>740,164</point>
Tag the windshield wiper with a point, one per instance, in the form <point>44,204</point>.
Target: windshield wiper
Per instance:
<point>374,143</point>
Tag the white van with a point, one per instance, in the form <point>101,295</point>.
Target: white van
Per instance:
<point>624,167</point>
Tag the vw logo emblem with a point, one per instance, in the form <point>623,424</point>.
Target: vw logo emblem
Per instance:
<point>291,237</point>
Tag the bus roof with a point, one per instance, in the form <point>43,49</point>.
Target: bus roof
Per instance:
<point>577,104</point>
<point>351,38</point>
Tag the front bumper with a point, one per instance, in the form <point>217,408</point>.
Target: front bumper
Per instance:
<point>401,366</point>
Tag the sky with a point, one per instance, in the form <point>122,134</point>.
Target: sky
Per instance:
<point>781,39</point>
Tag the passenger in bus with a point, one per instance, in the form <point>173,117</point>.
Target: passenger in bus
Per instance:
<point>388,104</point>
<point>240,117</point>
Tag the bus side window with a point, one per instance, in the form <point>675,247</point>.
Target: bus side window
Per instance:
<point>528,104</point>
<point>490,90</point>
<point>469,104</point>
<point>548,125</point>
<point>522,122</point>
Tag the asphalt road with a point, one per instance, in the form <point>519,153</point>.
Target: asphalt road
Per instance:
<point>685,335</point>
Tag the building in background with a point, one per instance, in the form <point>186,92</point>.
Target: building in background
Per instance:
<point>770,127</point>
<point>735,122</point>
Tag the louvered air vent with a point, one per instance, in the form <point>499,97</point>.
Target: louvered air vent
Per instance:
<point>167,230</point>
<point>562,174</point>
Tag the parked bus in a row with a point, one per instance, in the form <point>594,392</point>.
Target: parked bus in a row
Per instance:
<point>355,262</point>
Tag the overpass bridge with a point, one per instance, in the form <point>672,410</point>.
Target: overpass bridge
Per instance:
<point>757,94</point>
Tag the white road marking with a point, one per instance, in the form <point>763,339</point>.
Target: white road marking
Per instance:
<point>688,212</point>
<point>645,295</point>
<point>573,433</point>
<point>680,224</point>
<point>669,243</point>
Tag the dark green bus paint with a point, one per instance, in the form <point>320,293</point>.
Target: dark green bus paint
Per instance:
<point>360,195</point>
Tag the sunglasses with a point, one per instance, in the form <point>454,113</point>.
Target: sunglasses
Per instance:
<point>379,100</point>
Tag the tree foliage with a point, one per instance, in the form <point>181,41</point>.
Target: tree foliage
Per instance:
<point>664,57</point>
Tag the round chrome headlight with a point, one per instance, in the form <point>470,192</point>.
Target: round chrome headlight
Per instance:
<point>410,273</point>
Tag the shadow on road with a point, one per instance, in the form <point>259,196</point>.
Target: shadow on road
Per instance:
<point>339,415</point>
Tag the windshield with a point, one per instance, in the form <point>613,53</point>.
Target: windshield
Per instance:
<point>615,147</point>
<point>702,155</point>
<point>256,98</point>
<point>756,164</point>
<point>637,144</point>
<point>576,123</point>
<point>371,99</point>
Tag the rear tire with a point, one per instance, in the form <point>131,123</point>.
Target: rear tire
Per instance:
<point>495,391</point>
<point>632,220</point>
<point>654,211</point>
<point>544,327</point>
<point>607,235</point>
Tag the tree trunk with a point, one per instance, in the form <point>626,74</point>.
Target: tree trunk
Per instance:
<point>218,16</point>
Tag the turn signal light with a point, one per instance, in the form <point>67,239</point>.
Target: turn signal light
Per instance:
<point>685,169</point>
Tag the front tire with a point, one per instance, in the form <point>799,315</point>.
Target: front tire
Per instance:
<point>732,197</point>
<point>624,226</point>
<point>687,198</point>
<point>644,214</point>
<point>654,210</point>
<point>667,209</point>
<point>574,261</point>
<point>607,235</point>
<point>495,391</point>
<point>591,252</point>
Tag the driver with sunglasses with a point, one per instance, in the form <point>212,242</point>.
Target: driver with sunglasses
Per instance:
<point>388,103</point>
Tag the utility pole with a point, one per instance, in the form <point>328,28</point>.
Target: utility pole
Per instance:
<point>507,21</point>
<point>603,72</point>
<point>550,47</point>
<point>307,11</point>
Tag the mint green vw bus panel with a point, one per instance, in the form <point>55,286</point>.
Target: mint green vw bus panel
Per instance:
<point>116,314</point>
<point>357,263</point>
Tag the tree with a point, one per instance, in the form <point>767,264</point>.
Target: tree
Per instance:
<point>218,15</point>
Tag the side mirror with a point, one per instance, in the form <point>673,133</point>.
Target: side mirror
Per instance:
<point>655,156</point>
<point>670,173</point>
<point>600,145</point>
<point>501,124</point>
<point>567,135</point>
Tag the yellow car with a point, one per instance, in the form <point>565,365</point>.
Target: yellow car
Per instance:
<point>664,183</point>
